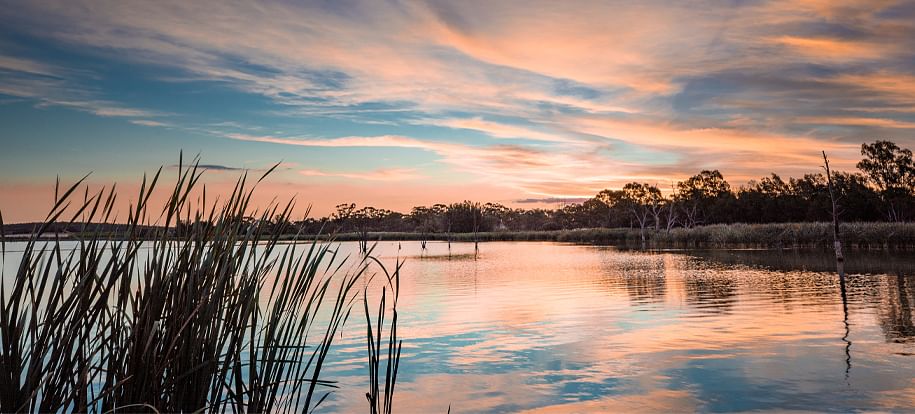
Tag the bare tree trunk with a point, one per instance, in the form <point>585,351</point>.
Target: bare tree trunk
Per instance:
<point>449,239</point>
<point>476,240</point>
<point>424,236</point>
<point>671,212</point>
<point>835,218</point>
<point>363,241</point>
<point>656,208</point>
<point>643,221</point>
<point>690,214</point>
<point>671,218</point>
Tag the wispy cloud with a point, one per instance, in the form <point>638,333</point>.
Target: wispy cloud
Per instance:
<point>385,174</point>
<point>499,130</point>
<point>29,66</point>
<point>858,121</point>
<point>50,85</point>
<point>211,167</point>
<point>149,123</point>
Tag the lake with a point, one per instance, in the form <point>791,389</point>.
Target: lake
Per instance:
<point>546,327</point>
<point>556,328</point>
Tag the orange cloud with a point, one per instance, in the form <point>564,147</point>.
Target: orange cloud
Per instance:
<point>858,121</point>
<point>719,141</point>
<point>834,49</point>
<point>895,87</point>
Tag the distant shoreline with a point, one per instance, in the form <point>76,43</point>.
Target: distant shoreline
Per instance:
<point>880,236</point>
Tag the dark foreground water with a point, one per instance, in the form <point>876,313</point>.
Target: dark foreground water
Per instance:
<point>546,327</point>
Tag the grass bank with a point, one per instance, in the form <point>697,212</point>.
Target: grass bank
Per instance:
<point>775,235</point>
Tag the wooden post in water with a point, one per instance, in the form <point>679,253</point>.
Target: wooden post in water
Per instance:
<point>837,244</point>
<point>476,226</point>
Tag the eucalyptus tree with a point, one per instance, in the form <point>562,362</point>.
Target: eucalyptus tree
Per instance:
<point>704,194</point>
<point>611,199</point>
<point>639,200</point>
<point>891,170</point>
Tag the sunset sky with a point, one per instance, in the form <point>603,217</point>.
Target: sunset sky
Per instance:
<point>396,104</point>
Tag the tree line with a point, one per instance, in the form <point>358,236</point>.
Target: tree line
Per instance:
<point>883,189</point>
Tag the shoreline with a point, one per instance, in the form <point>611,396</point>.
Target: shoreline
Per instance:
<point>863,236</point>
<point>860,236</point>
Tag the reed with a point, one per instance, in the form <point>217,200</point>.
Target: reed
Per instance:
<point>216,316</point>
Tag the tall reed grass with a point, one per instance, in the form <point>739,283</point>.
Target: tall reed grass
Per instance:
<point>218,317</point>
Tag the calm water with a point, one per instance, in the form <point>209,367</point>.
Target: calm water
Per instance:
<point>545,327</point>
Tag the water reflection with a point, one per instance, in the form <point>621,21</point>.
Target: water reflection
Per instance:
<point>894,291</point>
<point>553,328</point>
<point>541,327</point>
<point>642,274</point>
<point>856,262</point>
<point>896,310</point>
<point>711,292</point>
<point>845,338</point>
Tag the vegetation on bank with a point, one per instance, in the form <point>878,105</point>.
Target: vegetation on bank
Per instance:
<point>213,318</point>
<point>773,235</point>
<point>882,191</point>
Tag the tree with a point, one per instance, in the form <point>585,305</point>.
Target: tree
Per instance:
<point>765,200</point>
<point>704,194</point>
<point>343,213</point>
<point>610,199</point>
<point>892,172</point>
<point>496,216</point>
<point>671,210</point>
<point>657,204</point>
<point>422,218</point>
<point>466,217</point>
<point>639,199</point>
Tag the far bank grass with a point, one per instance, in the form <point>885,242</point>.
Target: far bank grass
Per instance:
<point>775,235</point>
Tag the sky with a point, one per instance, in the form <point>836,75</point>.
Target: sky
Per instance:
<point>395,104</point>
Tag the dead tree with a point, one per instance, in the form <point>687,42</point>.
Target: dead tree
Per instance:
<point>835,214</point>
<point>671,212</point>
<point>657,205</point>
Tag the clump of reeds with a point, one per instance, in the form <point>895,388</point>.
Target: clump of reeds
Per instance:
<point>380,398</point>
<point>213,315</point>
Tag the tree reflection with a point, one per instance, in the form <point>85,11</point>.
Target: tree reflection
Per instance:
<point>650,286</point>
<point>856,261</point>
<point>642,275</point>
<point>711,294</point>
<point>896,309</point>
<point>845,338</point>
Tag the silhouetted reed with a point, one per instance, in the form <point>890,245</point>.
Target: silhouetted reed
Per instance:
<point>215,315</point>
